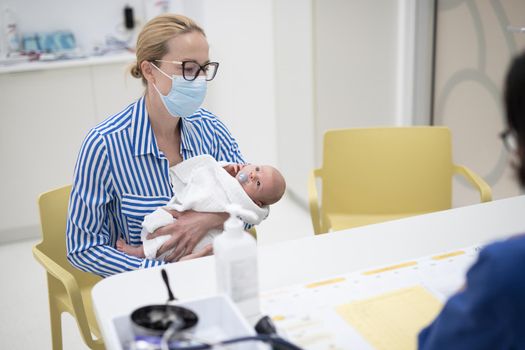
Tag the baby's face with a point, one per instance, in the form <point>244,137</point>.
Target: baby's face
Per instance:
<point>263,183</point>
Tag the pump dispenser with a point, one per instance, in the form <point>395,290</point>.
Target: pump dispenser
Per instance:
<point>236,262</point>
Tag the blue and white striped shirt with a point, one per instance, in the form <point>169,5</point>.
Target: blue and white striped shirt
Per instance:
<point>121,176</point>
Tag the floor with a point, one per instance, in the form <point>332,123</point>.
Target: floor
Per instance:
<point>24,316</point>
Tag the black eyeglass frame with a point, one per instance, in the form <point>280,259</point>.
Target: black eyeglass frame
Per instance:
<point>201,68</point>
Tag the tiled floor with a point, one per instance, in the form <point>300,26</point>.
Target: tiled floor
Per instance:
<point>24,316</point>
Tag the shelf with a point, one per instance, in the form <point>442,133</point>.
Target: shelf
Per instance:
<point>59,64</point>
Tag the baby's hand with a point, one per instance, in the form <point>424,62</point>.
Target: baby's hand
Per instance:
<point>233,169</point>
<point>121,245</point>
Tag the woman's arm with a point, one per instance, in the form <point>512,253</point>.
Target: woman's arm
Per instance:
<point>89,239</point>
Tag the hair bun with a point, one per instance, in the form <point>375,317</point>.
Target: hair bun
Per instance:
<point>135,71</point>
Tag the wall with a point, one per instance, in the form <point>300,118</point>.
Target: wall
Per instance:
<point>240,33</point>
<point>294,92</point>
<point>338,65</point>
<point>45,115</point>
<point>473,51</point>
<point>355,74</point>
<point>347,63</point>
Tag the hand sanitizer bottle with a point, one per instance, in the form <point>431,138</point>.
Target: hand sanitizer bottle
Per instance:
<point>236,263</point>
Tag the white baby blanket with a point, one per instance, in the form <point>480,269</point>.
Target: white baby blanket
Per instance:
<point>201,184</point>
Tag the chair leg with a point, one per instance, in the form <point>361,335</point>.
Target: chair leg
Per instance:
<point>54,286</point>
<point>56,324</point>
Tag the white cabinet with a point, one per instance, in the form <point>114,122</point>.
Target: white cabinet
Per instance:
<point>44,116</point>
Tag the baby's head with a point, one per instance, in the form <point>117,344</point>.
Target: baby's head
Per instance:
<point>263,183</point>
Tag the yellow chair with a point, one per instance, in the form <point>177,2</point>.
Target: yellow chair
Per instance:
<point>252,231</point>
<point>69,288</point>
<point>371,175</point>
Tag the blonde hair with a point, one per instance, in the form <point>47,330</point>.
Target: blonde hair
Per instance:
<point>151,42</point>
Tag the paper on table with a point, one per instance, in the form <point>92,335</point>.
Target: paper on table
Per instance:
<point>392,320</point>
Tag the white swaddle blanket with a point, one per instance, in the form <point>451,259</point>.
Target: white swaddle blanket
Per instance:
<point>201,184</point>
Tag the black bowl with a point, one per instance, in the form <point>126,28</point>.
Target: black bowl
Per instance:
<point>156,319</point>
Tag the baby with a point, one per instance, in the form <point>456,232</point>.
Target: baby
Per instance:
<point>203,184</point>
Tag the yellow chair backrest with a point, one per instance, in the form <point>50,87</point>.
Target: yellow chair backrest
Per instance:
<point>381,173</point>
<point>69,288</point>
<point>252,231</point>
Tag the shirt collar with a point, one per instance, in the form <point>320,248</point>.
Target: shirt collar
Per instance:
<point>186,131</point>
<point>142,137</point>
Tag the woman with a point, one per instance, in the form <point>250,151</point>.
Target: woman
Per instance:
<point>122,169</point>
<point>490,312</point>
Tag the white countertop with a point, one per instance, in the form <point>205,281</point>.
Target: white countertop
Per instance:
<point>58,64</point>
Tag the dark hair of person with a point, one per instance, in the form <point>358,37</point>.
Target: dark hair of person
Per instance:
<point>515,108</point>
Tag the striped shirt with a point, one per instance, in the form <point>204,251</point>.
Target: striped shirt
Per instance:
<point>121,176</point>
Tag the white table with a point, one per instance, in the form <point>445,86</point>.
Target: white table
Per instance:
<point>314,258</point>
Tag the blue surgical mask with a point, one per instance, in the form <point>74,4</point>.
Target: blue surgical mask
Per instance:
<point>185,97</point>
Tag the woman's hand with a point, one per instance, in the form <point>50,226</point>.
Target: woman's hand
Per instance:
<point>189,228</point>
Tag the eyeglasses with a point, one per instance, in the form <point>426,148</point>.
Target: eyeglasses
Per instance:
<point>191,69</point>
<point>510,140</point>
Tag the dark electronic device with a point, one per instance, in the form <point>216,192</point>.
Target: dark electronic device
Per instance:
<point>129,21</point>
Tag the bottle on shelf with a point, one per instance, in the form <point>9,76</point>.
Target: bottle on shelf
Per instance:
<point>11,32</point>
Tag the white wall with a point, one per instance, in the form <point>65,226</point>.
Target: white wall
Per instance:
<point>240,33</point>
<point>338,65</point>
<point>355,63</point>
<point>346,63</point>
<point>294,92</point>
